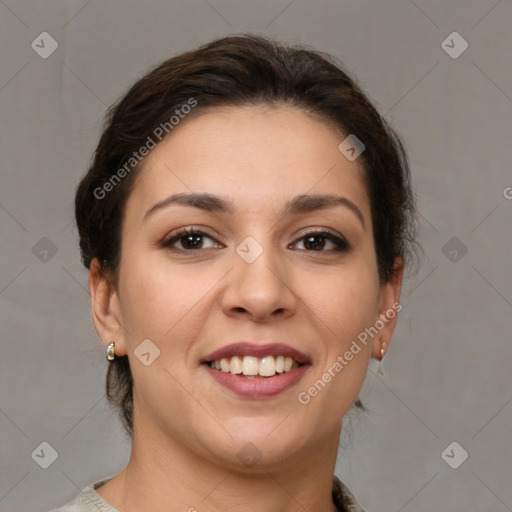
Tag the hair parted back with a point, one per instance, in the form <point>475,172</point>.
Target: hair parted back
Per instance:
<point>234,71</point>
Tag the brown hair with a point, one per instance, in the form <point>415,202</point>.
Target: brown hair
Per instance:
<point>234,71</point>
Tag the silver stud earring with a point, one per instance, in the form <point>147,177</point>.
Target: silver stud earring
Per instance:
<point>110,353</point>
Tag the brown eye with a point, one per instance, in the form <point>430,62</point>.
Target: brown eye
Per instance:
<point>315,242</point>
<point>191,241</point>
<point>323,241</point>
<point>188,240</point>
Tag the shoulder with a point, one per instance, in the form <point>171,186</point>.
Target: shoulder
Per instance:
<point>87,501</point>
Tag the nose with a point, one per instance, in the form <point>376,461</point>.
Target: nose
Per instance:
<point>261,290</point>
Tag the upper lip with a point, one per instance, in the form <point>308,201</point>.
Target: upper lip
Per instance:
<point>259,350</point>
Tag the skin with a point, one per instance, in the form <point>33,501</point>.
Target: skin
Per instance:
<point>188,429</point>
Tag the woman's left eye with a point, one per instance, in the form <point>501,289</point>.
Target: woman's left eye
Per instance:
<point>319,241</point>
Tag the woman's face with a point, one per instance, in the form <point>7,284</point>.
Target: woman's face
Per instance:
<point>278,261</point>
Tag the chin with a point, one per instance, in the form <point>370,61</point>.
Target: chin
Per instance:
<point>257,444</point>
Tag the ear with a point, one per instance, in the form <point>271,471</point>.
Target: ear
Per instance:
<point>389,307</point>
<point>106,311</point>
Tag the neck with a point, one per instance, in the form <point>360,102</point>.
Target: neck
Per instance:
<point>163,474</point>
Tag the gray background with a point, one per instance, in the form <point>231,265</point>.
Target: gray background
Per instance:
<point>448,371</point>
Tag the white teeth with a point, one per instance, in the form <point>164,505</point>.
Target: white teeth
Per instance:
<point>235,366</point>
<point>267,366</point>
<point>250,365</point>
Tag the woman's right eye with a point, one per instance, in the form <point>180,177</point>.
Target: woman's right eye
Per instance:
<point>188,240</point>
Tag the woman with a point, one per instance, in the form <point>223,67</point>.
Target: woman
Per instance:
<point>245,223</point>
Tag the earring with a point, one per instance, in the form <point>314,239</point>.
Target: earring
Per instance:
<point>380,371</point>
<point>110,353</point>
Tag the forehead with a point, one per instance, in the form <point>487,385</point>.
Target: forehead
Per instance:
<point>253,155</point>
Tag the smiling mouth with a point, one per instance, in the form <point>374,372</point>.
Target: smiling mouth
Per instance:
<point>250,366</point>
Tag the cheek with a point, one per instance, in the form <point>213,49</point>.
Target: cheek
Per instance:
<point>344,300</point>
<point>343,304</point>
<point>165,306</point>
<point>159,300</point>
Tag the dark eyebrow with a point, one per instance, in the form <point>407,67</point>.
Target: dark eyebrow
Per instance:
<point>308,203</point>
<point>206,202</point>
<point>300,204</point>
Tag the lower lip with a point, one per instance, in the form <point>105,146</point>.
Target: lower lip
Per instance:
<point>258,387</point>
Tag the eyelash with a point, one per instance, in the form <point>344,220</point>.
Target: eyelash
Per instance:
<point>168,242</point>
<point>341,243</point>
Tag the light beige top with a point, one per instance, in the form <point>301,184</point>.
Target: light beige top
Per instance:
<point>90,501</point>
